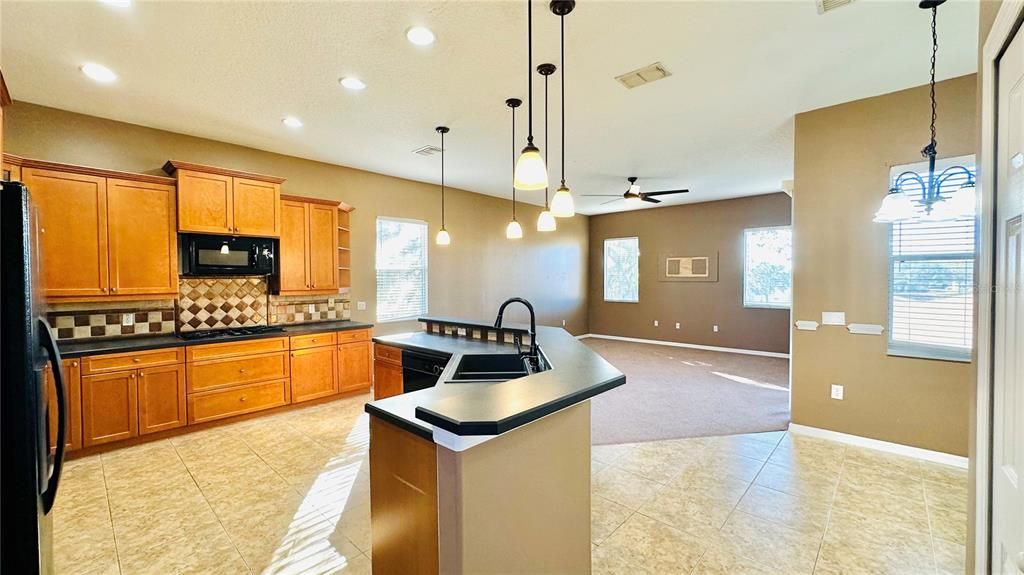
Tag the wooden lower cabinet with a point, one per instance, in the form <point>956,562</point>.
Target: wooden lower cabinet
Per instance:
<point>219,404</point>
<point>355,370</point>
<point>387,379</point>
<point>161,397</point>
<point>72,371</point>
<point>314,373</point>
<point>109,407</point>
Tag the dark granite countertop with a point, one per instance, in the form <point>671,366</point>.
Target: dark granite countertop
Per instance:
<point>140,343</point>
<point>474,409</point>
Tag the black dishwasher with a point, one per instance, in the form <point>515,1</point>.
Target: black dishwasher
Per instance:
<point>421,370</point>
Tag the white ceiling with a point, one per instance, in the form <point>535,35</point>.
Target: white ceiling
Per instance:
<point>721,125</point>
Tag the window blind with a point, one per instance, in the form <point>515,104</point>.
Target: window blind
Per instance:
<point>768,267</point>
<point>621,269</point>
<point>931,305</point>
<point>401,269</point>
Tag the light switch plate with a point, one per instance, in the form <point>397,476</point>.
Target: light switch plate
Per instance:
<point>716,329</point>
<point>127,319</point>
<point>655,323</point>
<point>837,392</point>
<point>833,318</point>
<point>361,305</point>
<point>677,325</point>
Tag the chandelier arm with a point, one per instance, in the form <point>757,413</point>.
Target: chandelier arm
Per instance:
<point>912,176</point>
<point>949,172</point>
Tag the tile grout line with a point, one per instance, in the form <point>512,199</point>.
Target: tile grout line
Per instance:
<point>210,506</point>
<point>110,513</point>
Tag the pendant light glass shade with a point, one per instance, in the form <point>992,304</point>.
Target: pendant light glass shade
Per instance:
<point>546,222</point>
<point>514,231</point>
<point>443,239</point>
<point>531,173</point>
<point>896,207</point>
<point>959,205</point>
<point>562,204</point>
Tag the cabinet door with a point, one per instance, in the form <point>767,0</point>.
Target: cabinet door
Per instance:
<point>257,208</point>
<point>323,247</point>
<point>161,398</point>
<point>387,379</point>
<point>293,261</point>
<point>355,370</point>
<point>142,238</point>
<point>72,232</point>
<point>204,202</point>
<point>73,385</point>
<point>314,373</point>
<point>109,407</point>
<point>11,173</point>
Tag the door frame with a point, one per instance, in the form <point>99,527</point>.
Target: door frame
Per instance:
<point>1007,21</point>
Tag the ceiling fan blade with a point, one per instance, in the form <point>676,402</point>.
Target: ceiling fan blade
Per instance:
<point>601,195</point>
<point>611,201</point>
<point>666,192</point>
<point>652,200</point>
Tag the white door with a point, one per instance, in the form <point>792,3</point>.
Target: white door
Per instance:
<point>1008,344</point>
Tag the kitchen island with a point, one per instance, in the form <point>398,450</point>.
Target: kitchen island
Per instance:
<point>474,476</point>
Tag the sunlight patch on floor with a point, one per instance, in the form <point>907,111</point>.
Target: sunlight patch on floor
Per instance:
<point>748,381</point>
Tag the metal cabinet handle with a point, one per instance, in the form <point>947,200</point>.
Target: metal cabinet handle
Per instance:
<point>74,364</point>
<point>241,370</point>
<point>136,360</point>
<point>112,290</point>
<point>142,374</point>
<point>243,398</point>
<point>132,375</point>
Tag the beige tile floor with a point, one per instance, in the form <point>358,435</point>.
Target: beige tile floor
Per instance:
<point>289,493</point>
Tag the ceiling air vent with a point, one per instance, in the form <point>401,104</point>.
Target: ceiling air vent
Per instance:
<point>829,5</point>
<point>644,75</point>
<point>427,150</point>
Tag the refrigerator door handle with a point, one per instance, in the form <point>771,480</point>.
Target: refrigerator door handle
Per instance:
<point>49,495</point>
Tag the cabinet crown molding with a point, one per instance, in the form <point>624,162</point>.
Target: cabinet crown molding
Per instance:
<point>87,170</point>
<point>173,166</point>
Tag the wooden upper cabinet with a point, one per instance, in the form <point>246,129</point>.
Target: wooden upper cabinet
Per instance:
<point>141,238</point>
<point>323,246</point>
<point>205,202</point>
<point>221,201</point>
<point>309,245</point>
<point>292,259</point>
<point>72,211</point>
<point>257,208</point>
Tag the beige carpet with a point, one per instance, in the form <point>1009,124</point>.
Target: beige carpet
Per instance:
<point>674,392</point>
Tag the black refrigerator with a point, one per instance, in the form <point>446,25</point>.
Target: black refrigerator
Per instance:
<point>30,469</point>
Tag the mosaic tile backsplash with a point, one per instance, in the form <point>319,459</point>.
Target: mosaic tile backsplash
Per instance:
<point>95,323</point>
<point>297,309</point>
<point>218,303</point>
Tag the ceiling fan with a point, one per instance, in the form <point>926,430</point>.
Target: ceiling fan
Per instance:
<point>633,194</point>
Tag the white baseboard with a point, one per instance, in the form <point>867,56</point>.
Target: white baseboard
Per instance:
<point>687,345</point>
<point>894,448</point>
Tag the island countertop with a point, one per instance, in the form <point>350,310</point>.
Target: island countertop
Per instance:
<point>486,409</point>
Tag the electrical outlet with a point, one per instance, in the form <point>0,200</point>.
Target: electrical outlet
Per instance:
<point>361,305</point>
<point>715,329</point>
<point>330,301</point>
<point>837,392</point>
<point>677,325</point>
<point>127,319</point>
<point>563,323</point>
<point>655,323</point>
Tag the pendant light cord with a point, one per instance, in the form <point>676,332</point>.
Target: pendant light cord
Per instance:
<point>932,148</point>
<point>442,180</point>
<point>561,19</point>
<point>529,65</point>
<point>513,164</point>
<point>546,135</point>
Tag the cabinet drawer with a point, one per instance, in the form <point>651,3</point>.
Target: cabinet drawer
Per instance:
<point>237,400</point>
<point>387,353</point>
<point>122,361</point>
<point>353,335</point>
<point>236,371</point>
<point>312,340</point>
<point>236,348</point>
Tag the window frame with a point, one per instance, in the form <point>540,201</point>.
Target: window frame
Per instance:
<point>743,294</point>
<point>916,350</point>
<point>426,269</point>
<point>604,270</point>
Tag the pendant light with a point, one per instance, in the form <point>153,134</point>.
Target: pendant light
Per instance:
<point>897,206</point>
<point>443,238</point>
<point>530,173</point>
<point>546,221</point>
<point>513,230</point>
<point>562,205</point>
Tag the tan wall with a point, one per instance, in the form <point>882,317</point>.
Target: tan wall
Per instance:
<point>470,278</point>
<point>842,161</point>
<point>691,229</point>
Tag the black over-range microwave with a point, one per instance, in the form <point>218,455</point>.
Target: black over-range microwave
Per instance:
<point>215,255</point>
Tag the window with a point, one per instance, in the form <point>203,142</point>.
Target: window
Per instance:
<point>621,270</point>
<point>931,279</point>
<point>401,269</point>
<point>768,267</point>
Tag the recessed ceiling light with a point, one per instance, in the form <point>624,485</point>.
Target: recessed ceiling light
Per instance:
<point>420,36</point>
<point>352,83</point>
<point>98,72</point>
<point>118,3</point>
<point>292,122</point>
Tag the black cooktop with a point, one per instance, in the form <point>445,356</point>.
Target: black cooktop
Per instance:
<point>231,332</point>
